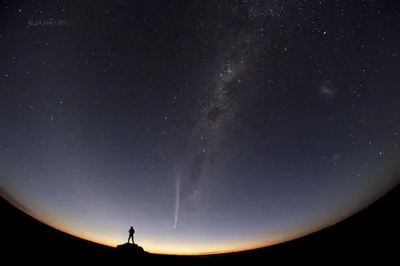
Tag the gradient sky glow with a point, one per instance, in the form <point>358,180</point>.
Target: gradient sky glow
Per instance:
<point>273,118</point>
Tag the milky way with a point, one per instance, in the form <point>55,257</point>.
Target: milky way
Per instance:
<point>219,102</point>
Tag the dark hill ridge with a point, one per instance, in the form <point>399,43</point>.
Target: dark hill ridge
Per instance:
<point>26,234</point>
<point>131,249</point>
<point>373,232</point>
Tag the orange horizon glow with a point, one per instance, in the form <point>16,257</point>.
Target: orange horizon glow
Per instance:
<point>152,248</point>
<point>148,246</point>
<point>178,248</point>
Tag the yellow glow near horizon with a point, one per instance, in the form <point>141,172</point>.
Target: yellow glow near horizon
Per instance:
<point>171,248</point>
<point>165,246</point>
<point>177,247</point>
<point>162,246</point>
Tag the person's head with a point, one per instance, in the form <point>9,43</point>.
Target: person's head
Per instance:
<point>131,227</point>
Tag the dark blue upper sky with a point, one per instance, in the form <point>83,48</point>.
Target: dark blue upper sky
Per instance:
<point>209,126</point>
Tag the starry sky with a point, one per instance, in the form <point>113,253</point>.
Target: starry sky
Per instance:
<point>209,126</point>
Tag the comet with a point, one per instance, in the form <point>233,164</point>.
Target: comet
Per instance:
<point>177,199</point>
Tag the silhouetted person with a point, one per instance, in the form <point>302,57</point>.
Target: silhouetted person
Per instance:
<point>131,232</point>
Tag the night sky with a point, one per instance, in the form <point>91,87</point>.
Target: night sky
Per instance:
<point>208,126</point>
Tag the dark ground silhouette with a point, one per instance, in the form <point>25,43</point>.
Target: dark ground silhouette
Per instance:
<point>371,233</point>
